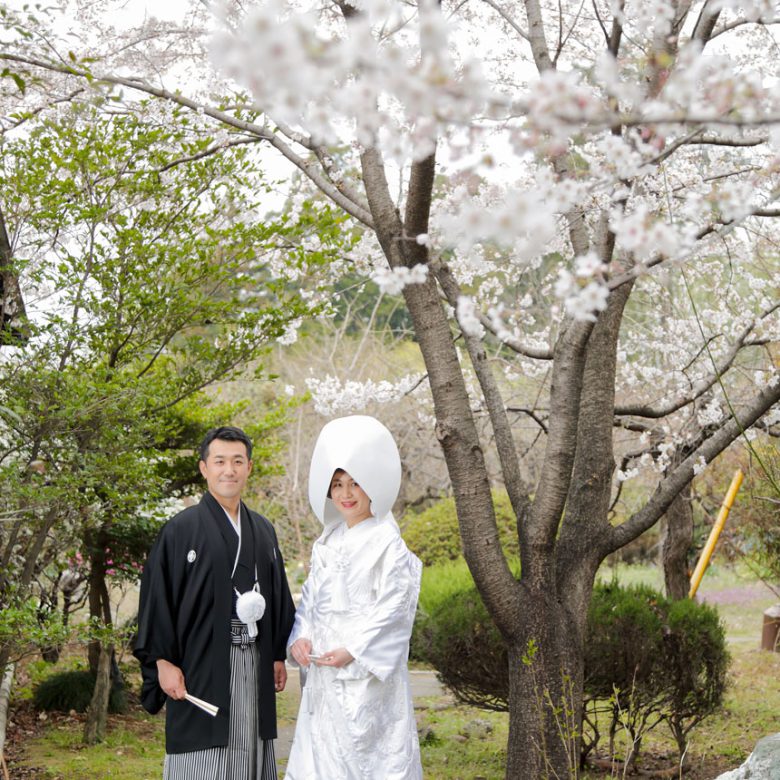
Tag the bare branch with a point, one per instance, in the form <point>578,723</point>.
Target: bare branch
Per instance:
<point>600,21</point>
<point>508,19</point>
<point>521,349</point>
<point>716,140</point>
<point>738,23</point>
<point>530,413</point>
<point>562,39</point>
<point>208,152</point>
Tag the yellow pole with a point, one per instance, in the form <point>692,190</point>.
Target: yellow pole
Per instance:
<point>709,548</point>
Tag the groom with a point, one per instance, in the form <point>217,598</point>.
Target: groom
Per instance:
<point>190,637</point>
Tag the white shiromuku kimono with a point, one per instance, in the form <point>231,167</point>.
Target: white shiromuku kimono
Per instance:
<point>357,722</point>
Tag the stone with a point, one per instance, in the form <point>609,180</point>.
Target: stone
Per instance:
<point>425,733</point>
<point>762,764</point>
<point>479,728</point>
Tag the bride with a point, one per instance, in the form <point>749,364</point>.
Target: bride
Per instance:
<point>352,627</point>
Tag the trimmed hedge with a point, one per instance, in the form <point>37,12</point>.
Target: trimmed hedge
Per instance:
<point>434,537</point>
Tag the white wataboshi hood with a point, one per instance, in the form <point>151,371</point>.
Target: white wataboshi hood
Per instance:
<point>366,450</point>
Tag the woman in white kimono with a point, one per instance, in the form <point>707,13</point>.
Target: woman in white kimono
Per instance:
<point>352,628</point>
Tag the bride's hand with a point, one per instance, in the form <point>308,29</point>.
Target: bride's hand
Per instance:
<point>337,658</point>
<point>300,650</point>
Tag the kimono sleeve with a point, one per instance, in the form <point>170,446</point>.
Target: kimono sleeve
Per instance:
<point>302,626</point>
<point>284,606</point>
<point>156,637</point>
<point>380,643</point>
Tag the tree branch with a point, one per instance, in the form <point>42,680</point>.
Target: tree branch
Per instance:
<point>537,37</point>
<point>211,150</point>
<point>553,486</point>
<point>716,140</point>
<point>531,413</point>
<point>703,385</point>
<point>418,207</point>
<point>669,487</point>
<point>505,443</point>
<point>536,353</point>
<point>508,19</point>
<point>322,182</point>
<point>737,23</point>
<point>705,24</point>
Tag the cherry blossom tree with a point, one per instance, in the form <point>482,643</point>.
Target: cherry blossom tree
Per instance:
<point>578,202</point>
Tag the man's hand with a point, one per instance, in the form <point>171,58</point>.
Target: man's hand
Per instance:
<point>300,650</point>
<point>171,679</point>
<point>280,675</point>
<point>337,658</point>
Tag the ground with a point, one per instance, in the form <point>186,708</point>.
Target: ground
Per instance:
<point>458,743</point>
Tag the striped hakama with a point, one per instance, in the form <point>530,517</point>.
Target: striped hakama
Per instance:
<point>246,756</point>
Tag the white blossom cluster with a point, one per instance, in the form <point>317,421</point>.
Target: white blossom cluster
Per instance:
<point>331,396</point>
<point>710,414</point>
<point>520,220</point>
<point>583,293</point>
<point>468,317</point>
<point>290,335</point>
<point>312,73</point>
<point>391,281</point>
<point>710,86</point>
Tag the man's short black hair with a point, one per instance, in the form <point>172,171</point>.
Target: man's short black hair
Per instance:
<point>225,433</point>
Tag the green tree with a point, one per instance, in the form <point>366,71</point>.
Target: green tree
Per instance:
<point>136,241</point>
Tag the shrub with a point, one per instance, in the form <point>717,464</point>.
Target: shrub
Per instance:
<point>66,691</point>
<point>623,645</point>
<point>647,659</point>
<point>696,665</point>
<point>624,638</point>
<point>454,634</point>
<point>433,535</point>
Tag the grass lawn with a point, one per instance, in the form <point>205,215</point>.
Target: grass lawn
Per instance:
<point>462,743</point>
<point>133,750</point>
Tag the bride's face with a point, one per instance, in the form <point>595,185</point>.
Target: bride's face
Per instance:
<point>349,498</point>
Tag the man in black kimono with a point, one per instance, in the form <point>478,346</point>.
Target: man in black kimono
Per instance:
<point>190,639</point>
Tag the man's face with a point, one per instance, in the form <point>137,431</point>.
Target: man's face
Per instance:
<point>226,469</point>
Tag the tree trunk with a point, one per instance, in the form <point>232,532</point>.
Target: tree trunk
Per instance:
<point>99,601</point>
<point>97,714</point>
<point>5,696</point>
<point>677,544</point>
<point>545,684</point>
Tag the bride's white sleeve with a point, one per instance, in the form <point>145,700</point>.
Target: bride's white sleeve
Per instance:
<point>380,642</point>
<point>301,627</point>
